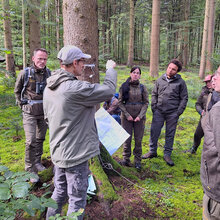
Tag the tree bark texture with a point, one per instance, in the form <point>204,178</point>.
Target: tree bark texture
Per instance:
<point>186,34</point>
<point>57,2</point>
<point>131,35</point>
<point>80,23</point>
<point>24,33</point>
<point>155,36</point>
<point>204,41</point>
<point>10,64</point>
<point>210,41</point>
<point>34,26</point>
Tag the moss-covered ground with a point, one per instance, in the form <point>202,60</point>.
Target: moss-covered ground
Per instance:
<point>171,192</point>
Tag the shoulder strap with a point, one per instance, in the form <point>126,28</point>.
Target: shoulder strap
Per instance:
<point>27,73</point>
<point>48,72</point>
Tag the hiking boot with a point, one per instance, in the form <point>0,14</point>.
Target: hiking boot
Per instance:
<point>168,160</point>
<point>193,150</point>
<point>126,163</point>
<point>149,155</point>
<point>35,178</point>
<point>138,165</point>
<point>40,167</point>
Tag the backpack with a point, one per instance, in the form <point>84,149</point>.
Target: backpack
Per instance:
<point>28,74</point>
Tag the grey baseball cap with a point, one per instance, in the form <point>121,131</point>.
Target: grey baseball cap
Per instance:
<point>69,53</point>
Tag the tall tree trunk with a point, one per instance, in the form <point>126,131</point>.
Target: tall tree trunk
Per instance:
<point>131,35</point>
<point>115,28</point>
<point>210,44</point>
<point>10,63</point>
<point>204,41</point>
<point>186,34</point>
<point>24,33</point>
<point>155,36</point>
<point>103,17</point>
<point>80,23</point>
<point>57,2</point>
<point>34,26</point>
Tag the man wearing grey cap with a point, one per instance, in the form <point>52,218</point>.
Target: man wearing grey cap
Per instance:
<point>69,108</point>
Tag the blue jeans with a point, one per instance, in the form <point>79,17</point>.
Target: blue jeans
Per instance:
<point>117,118</point>
<point>71,182</point>
<point>158,120</point>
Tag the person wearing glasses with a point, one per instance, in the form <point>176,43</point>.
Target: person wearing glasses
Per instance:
<point>69,108</point>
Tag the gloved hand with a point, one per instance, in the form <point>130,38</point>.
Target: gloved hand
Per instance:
<point>110,64</point>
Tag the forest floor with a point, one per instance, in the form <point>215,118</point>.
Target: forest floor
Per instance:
<point>159,192</point>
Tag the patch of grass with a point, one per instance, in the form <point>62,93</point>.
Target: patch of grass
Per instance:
<point>171,192</point>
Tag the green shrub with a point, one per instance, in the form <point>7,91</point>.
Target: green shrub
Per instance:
<point>15,197</point>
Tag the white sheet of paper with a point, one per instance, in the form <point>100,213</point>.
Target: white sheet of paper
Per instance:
<point>110,132</point>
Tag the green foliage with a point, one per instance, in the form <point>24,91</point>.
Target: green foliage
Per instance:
<point>105,187</point>
<point>15,195</point>
<point>72,216</point>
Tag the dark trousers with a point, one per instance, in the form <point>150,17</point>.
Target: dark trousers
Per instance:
<point>156,126</point>
<point>138,128</point>
<point>35,129</point>
<point>198,135</point>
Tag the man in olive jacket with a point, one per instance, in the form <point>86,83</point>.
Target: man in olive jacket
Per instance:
<point>28,91</point>
<point>169,99</point>
<point>210,165</point>
<point>69,107</point>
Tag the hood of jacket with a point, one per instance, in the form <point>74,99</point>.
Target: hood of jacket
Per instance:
<point>59,76</point>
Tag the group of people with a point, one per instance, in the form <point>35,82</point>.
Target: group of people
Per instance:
<point>68,105</point>
<point>168,101</point>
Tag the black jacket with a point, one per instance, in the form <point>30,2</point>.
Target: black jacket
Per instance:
<point>202,99</point>
<point>170,96</point>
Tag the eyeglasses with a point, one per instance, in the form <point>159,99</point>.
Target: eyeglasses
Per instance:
<point>82,60</point>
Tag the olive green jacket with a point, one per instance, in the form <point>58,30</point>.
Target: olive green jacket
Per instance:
<point>69,108</point>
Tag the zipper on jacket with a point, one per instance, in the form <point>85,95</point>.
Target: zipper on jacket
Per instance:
<point>207,173</point>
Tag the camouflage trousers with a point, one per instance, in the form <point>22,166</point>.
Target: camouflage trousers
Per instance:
<point>71,183</point>
<point>35,129</point>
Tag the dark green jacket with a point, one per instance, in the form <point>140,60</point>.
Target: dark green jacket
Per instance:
<point>30,91</point>
<point>137,104</point>
<point>202,99</point>
<point>170,96</point>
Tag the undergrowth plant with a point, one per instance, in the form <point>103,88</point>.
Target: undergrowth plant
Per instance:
<point>15,196</point>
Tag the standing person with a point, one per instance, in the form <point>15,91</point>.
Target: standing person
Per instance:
<point>210,166</point>
<point>201,108</point>
<point>133,102</point>
<point>69,107</point>
<point>169,99</point>
<point>112,107</point>
<point>28,91</point>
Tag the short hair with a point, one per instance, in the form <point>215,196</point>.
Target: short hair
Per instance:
<point>177,63</point>
<point>134,68</point>
<point>40,49</point>
<point>67,65</point>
